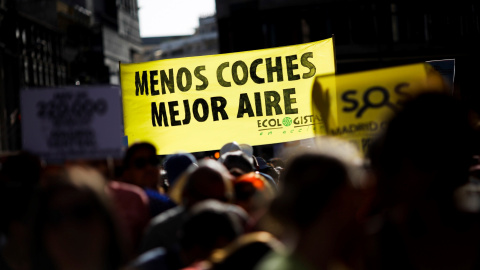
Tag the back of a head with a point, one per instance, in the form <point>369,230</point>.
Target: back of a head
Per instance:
<point>309,181</point>
<point>211,224</point>
<point>432,137</point>
<point>83,181</point>
<point>210,180</point>
<point>132,149</point>
<point>248,184</point>
<point>277,162</point>
<point>72,196</point>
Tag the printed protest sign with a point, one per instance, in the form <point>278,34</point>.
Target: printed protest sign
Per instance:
<point>357,106</point>
<point>72,122</point>
<point>200,103</point>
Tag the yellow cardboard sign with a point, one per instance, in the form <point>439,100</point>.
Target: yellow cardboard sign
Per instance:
<point>200,103</point>
<point>357,106</point>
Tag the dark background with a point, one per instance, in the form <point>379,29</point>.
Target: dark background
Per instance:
<point>368,35</point>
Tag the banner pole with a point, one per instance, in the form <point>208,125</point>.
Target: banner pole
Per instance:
<point>334,53</point>
<point>120,73</point>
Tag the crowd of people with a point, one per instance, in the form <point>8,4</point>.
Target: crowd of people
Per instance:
<point>411,202</point>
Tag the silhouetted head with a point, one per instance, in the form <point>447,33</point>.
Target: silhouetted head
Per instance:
<point>309,181</point>
<point>210,180</point>
<point>74,223</point>
<point>140,165</point>
<point>210,224</point>
<point>426,150</point>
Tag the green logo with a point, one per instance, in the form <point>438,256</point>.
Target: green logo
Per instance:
<point>287,121</point>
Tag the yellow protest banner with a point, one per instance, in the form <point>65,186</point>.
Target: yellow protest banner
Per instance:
<point>200,103</point>
<point>357,106</point>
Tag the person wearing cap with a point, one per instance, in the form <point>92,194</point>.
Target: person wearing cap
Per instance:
<point>229,147</point>
<point>235,157</point>
<point>234,146</point>
<point>237,162</point>
<point>176,164</point>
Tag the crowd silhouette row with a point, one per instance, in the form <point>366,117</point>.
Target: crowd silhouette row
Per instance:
<point>411,202</point>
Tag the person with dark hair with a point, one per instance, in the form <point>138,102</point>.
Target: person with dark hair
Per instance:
<point>277,162</point>
<point>210,225</point>
<point>210,180</point>
<point>316,205</point>
<point>73,223</point>
<point>419,162</point>
<point>267,169</point>
<point>140,167</point>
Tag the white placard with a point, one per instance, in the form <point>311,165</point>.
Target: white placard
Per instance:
<point>83,122</point>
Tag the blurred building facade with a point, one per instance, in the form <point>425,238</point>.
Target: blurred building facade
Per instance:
<point>368,34</point>
<point>150,46</point>
<point>51,43</point>
<point>203,42</point>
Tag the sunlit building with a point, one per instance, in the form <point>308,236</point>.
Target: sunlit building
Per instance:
<point>60,42</point>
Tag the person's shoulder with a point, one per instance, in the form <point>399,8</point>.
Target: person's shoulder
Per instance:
<point>155,258</point>
<point>123,189</point>
<point>122,186</point>
<point>156,195</point>
<point>168,215</point>
<point>161,231</point>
